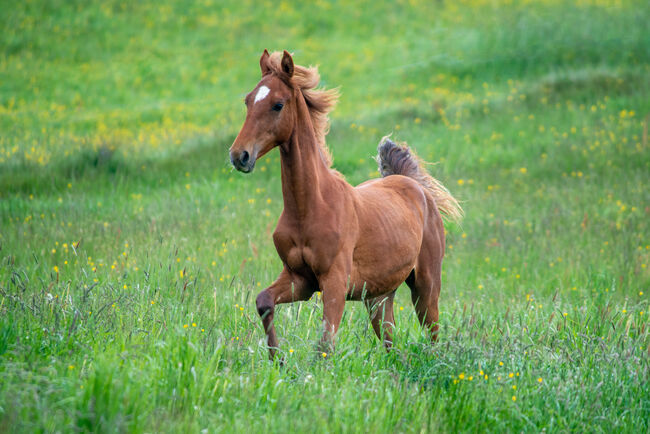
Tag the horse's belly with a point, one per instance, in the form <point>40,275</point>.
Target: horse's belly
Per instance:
<point>378,269</point>
<point>366,284</point>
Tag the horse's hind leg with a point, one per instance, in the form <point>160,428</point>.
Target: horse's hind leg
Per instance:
<point>424,282</point>
<point>425,279</point>
<point>382,318</point>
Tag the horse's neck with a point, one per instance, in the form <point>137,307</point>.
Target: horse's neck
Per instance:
<point>305,175</point>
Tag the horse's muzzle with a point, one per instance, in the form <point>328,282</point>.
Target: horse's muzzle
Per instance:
<point>242,161</point>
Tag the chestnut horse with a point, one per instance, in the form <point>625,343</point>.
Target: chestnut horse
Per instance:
<point>349,243</point>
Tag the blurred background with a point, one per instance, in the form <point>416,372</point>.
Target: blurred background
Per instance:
<point>157,78</point>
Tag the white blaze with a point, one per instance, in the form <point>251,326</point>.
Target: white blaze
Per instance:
<point>261,93</point>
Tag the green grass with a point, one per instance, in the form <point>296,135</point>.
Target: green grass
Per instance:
<point>131,253</point>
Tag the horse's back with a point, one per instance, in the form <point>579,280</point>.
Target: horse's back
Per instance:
<point>401,193</point>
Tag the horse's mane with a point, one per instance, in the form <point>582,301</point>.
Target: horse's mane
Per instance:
<point>319,101</point>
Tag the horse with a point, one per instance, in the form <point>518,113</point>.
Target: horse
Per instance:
<point>350,243</point>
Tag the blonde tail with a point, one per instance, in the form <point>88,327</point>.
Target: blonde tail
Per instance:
<point>394,159</point>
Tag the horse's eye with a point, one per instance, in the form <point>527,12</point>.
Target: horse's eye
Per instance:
<point>277,107</point>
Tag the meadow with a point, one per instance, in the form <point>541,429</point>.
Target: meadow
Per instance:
<point>131,252</point>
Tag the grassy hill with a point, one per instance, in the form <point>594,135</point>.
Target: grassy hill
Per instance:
<point>131,253</point>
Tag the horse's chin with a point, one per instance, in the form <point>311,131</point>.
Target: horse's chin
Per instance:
<point>247,168</point>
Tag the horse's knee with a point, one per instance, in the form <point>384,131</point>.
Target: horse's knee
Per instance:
<point>265,304</point>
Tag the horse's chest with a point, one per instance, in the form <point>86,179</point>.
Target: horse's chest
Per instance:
<point>302,254</point>
<point>295,259</point>
<point>291,250</point>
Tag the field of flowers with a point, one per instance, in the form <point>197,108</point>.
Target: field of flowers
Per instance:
<point>131,253</point>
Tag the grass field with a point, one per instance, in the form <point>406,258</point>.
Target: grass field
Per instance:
<point>131,253</point>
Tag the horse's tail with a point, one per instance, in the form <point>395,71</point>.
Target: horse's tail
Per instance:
<point>398,159</point>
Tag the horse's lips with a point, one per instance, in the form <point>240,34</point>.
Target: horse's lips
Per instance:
<point>248,168</point>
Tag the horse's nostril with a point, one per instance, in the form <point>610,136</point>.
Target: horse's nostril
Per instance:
<point>244,158</point>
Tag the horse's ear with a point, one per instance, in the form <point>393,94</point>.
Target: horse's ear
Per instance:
<point>287,64</point>
<point>264,63</point>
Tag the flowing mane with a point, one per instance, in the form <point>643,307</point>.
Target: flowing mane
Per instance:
<point>319,101</point>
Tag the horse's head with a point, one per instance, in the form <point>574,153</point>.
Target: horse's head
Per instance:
<point>270,116</point>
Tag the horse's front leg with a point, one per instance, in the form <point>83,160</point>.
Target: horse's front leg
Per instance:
<point>287,288</point>
<point>333,286</point>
